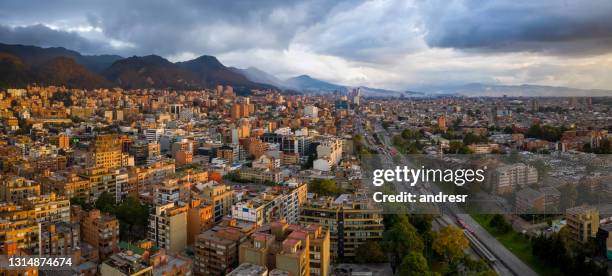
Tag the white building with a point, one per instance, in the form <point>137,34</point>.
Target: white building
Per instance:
<point>311,111</point>
<point>153,134</point>
<point>329,153</point>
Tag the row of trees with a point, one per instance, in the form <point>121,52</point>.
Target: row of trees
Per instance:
<point>413,248</point>
<point>545,132</point>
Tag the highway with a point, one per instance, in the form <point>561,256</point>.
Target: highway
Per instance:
<point>505,262</point>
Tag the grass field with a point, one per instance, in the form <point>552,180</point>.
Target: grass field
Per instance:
<point>517,244</point>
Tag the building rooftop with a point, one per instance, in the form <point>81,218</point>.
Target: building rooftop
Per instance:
<point>127,263</point>
<point>248,269</point>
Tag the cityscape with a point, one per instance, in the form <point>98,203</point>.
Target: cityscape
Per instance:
<point>126,153</point>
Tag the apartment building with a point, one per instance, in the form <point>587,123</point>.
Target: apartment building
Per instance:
<point>199,218</point>
<point>274,204</point>
<point>101,180</point>
<point>508,177</point>
<point>221,197</point>
<point>16,189</point>
<point>285,247</point>
<point>248,269</point>
<point>61,239</point>
<point>144,259</point>
<point>101,230</point>
<point>107,152</point>
<point>18,229</point>
<point>329,153</point>
<point>216,250</point>
<point>168,227</point>
<point>67,184</point>
<point>582,222</point>
<point>49,209</point>
<point>352,220</point>
<point>261,175</point>
<point>545,199</point>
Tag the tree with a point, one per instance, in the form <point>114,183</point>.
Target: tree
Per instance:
<point>326,187</point>
<point>370,252</point>
<point>401,239</point>
<point>472,138</point>
<point>422,222</point>
<point>105,203</point>
<point>500,224</point>
<point>450,243</point>
<point>81,202</point>
<point>133,218</point>
<point>414,264</point>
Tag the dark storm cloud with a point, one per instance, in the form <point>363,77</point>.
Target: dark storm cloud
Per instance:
<point>44,36</point>
<point>356,30</point>
<point>172,28</point>
<point>557,27</point>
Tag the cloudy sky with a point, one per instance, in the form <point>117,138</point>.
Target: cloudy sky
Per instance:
<point>385,44</point>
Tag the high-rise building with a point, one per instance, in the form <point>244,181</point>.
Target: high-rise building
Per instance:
<point>352,219</point>
<point>168,227</point>
<point>63,141</point>
<point>235,112</point>
<point>442,122</point>
<point>107,152</point>
<point>582,222</point>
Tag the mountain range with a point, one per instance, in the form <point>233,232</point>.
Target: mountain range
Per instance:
<point>21,65</point>
<point>523,90</point>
